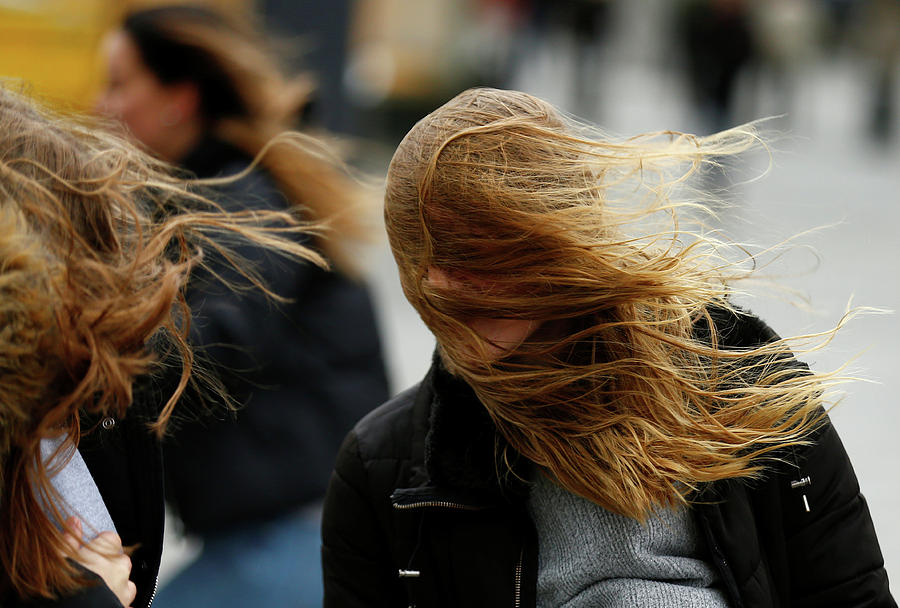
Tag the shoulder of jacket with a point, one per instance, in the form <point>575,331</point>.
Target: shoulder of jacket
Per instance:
<point>255,190</point>
<point>739,328</point>
<point>387,431</point>
<point>819,467</point>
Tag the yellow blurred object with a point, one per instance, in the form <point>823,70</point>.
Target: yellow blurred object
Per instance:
<point>53,46</point>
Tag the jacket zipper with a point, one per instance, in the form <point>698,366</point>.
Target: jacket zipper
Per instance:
<point>517,596</point>
<point>436,503</point>
<point>721,564</point>
<point>518,593</point>
<point>153,595</point>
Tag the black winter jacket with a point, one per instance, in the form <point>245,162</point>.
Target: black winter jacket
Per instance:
<point>302,373</point>
<point>125,460</point>
<point>416,515</point>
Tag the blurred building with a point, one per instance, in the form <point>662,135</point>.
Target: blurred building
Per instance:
<point>53,46</point>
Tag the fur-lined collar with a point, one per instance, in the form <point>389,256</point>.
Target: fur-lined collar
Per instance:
<point>462,444</point>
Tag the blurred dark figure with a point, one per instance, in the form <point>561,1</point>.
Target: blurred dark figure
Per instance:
<point>323,28</point>
<point>718,45</point>
<point>200,91</point>
<point>585,22</point>
<point>839,15</point>
<point>503,23</point>
<point>879,36</point>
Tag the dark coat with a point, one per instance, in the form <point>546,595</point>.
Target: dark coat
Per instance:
<point>125,460</point>
<point>416,515</point>
<point>302,373</point>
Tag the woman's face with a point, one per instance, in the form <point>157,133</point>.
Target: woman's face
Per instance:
<point>502,335</point>
<point>135,96</point>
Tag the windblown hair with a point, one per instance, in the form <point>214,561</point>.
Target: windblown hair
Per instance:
<point>627,394</point>
<point>246,100</point>
<point>96,242</point>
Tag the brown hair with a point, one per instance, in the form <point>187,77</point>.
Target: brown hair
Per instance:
<point>96,242</point>
<point>247,100</point>
<point>624,394</point>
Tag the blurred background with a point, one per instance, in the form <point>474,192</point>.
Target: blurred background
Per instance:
<point>828,71</point>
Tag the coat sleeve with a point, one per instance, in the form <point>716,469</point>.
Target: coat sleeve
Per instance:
<point>356,558</point>
<point>96,596</point>
<point>832,550</point>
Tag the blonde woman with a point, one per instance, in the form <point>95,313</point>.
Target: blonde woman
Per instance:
<point>600,426</point>
<point>97,241</point>
<point>200,90</point>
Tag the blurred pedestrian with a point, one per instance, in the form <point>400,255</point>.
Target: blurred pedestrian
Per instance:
<point>878,35</point>
<point>718,45</point>
<point>600,425</point>
<point>584,24</point>
<point>93,264</point>
<point>200,89</point>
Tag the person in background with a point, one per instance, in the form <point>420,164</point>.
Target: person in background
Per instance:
<point>97,240</point>
<point>199,90</point>
<point>601,426</point>
<point>718,45</point>
<point>877,33</point>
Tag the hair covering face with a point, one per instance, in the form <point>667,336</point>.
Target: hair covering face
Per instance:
<point>622,394</point>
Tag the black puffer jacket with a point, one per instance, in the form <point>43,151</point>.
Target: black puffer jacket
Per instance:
<point>124,459</point>
<point>417,516</point>
<point>303,373</point>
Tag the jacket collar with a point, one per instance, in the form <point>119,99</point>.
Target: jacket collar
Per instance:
<point>462,445</point>
<point>211,155</point>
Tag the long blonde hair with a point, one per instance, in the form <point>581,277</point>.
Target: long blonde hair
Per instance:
<point>627,394</point>
<point>247,100</point>
<point>96,243</point>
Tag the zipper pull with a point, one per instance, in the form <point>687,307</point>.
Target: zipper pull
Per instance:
<point>408,574</point>
<point>802,483</point>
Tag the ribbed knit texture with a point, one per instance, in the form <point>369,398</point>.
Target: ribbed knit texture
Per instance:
<point>591,557</point>
<point>79,493</point>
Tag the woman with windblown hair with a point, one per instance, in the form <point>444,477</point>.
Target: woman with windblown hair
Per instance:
<point>201,91</point>
<point>600,426</point>
<point>96,243</point>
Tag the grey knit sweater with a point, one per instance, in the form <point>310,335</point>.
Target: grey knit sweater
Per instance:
<point>79,493</point>
<point>591,557</point>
